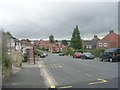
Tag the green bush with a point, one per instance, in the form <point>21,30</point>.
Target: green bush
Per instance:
<point>69,52</point>
<point>95,52</point>
<point>38,52</point>
<point>6,62</point>
<point>56,52</point>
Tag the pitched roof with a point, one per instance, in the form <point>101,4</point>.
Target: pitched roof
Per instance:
<point>111,37</point>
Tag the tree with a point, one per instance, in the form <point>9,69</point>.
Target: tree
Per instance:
<point>51,39</point>
<point>65,42</point>
<point>56,41</point>
<point>76,42</point>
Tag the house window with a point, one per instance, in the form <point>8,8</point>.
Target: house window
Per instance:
<point>100,44</point>
<point>87,46</point>
<point>61,49</point>
<point>105,44</point>
<point>90,47</point>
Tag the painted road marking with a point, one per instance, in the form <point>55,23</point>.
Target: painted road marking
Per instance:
<point>47,77</point>
<point>100,81</point>
<point>88,75</point>
<point>14,83</point>
<point>59,66</point>
<point>41,65</point>
<point>66,87</point>
<point>56,66</point>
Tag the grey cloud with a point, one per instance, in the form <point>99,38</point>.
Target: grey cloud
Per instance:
<point>59,19</point>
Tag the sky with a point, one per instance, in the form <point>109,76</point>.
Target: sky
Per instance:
<point>38,19</point>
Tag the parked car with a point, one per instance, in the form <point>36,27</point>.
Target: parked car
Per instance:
<point>43,55</point>
<point>25,57</point>
<point>61,54</point>
<point>77,55</point>
<point>111,54</point>
<point>87,55</point>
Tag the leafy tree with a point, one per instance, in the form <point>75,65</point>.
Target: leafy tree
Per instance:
<point>51,39</point>
<point>56,41</point>
<point>76,42</point>
<point>65,42</point>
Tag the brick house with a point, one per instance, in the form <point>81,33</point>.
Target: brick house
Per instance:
<point>25,43</point>
<point>91,44</point>
<point>36,43</point>
<point>51,47</point>
<point>111,40</point>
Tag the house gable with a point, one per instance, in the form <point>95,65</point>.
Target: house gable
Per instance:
<point>109,41</point>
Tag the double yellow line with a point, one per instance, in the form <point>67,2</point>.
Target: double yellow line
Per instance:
<point>49,79</point>
<point>47,76</point>
<point>50,82</point>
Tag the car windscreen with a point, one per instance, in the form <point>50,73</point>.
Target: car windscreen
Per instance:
<point>87,53</point>
<point>118,51</point>
<point>110,50</point>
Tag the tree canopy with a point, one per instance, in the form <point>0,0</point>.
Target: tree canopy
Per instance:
<point>76,42</point>
<point>51,39</point>
<point>64,42</point>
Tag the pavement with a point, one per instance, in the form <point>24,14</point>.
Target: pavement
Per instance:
<point>15,69</point>
<point>28,76</point>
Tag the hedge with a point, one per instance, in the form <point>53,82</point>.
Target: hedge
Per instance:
<point>94,52</point>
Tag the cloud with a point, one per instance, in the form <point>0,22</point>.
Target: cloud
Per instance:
<point>34,19</point>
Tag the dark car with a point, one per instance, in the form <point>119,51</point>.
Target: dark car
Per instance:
<point>25,57</point>
<point>111,54</point>
<point>61,54</point>
<point>43,55</point>
<point>77,55</point>
<point>87,55</point>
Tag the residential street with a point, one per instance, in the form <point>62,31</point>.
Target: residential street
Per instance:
<point>65,72</point>
<point>76,73</point>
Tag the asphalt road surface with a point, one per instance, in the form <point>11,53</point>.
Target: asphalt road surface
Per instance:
<point>67,72</point>
<point>56,71</point>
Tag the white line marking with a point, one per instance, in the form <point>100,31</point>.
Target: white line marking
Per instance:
<point>66,87</point>
<point>88,75</point>
<point>99,81</point>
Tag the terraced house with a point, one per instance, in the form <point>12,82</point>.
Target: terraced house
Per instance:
<point>51,47</point>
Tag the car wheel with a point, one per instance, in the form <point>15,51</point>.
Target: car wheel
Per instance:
<point>111,60</point>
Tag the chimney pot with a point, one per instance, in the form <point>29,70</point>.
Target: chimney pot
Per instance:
<point>111,31</point>
<point>95,36</point>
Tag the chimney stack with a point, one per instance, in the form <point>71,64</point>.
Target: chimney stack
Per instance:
<point>95,36</point>
<point>111,31</point>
